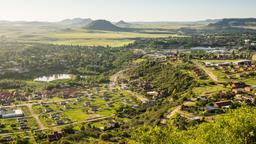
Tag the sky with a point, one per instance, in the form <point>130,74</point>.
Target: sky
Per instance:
<point>128,10</point>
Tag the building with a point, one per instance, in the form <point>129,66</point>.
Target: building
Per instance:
<point>222,104</point>
<point>210,109</point>
<point>236,85</point>
<point>238,91</point>
<point>246,98</point>
<point>243,62</point>
<point>55,136</point>
<point>198,73</point>
<point>248,88</point>
<point>224,64</point>
<point>11,114</point>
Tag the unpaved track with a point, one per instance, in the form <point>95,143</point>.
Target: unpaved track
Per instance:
<point>36,116</point>
<point>208,72</point>
<point>113,84</point>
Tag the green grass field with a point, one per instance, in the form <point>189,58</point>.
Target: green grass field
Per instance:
<point>77,36</point>
<point>91,38</point>
<point>76,115</point>
<point>209,89</point>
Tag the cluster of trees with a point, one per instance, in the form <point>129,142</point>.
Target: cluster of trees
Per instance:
<point>33,60</point>
<point>237,127</point>
<point>207,40</point>
<point>170,79</point>
<point>11,84</point>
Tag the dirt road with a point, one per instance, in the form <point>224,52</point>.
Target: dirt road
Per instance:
<point>114,84</point>
<point>36,116</point>
<point>208,72</point>
<point>175,111</point>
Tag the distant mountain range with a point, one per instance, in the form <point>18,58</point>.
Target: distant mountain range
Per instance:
<point>76,22</point>
<point>235,22</point>
<point>87,23</point>
<point>123,24</point>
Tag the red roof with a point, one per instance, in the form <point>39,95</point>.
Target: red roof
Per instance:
<point>223,103</point>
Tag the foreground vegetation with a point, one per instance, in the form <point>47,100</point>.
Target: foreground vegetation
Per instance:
<point>237,126</point>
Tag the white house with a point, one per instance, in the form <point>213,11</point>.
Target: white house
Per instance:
<point>11,114</point>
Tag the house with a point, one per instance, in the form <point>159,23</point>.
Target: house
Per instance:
<point>224,64</point>
<point>153,93</point>
<point>78,99</point>
<point>222,104</point>
<point>55,136</point>
<point>90,96</point>
<point>36,97</point>
<point>110,125</point>
<point>23,126</point>
<point>94,108</point>
<point>47,110</point>
<point>22,123</point>
<point>196,118</point>
<point>246,98</point>
<point>59,122</point>
<point>11,114</point>
<point>243,62</point>
<point>105,98</point>
<point>198,73</point>
<point>55,116</point>
<point>236,85</point>
<point>238,91</point>
<point>135,106</point>
<point>62,103</point>
<point>248,88</point>
<point>210,109</point>
<point>209,64</point>
<point>6,139</point>
<point>121,95</point>
<point>87,104</point>
<point>109,105</point>
<point>6,98</point>
<point>202,99</point>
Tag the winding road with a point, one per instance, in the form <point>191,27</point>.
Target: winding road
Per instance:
<point>114,84</point>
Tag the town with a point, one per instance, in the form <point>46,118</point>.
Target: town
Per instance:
<point>134,72</point>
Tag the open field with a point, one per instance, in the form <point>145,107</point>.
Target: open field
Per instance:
<point>208,89</point>
<point>92,38</point>
<point>168,25</point>
<point>76,36</point>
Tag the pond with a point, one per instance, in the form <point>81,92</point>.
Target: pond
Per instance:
<point>53,77</point>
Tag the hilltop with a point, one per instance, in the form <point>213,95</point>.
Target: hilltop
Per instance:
<point>235,22</point>
<point>103,25</point>
<point>123,24</point>
<point>76,21</point>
